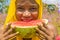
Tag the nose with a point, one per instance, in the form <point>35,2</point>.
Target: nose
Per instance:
<point>26,14</point>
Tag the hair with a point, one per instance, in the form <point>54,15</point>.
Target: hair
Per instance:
<point>22,1</point>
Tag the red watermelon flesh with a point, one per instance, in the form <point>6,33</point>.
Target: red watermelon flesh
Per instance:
<point>58,37</point>
<point>26,24</point>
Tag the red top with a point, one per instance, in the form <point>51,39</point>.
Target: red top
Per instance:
<point>58,37</point>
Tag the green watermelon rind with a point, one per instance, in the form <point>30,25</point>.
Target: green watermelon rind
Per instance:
<point>26,32</point>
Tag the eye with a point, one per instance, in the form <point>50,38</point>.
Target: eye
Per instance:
<point>20,9</point>
<point>33,9</point>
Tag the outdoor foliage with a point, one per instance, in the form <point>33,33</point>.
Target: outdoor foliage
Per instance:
<point>4,6</point>
<point>50,12</point>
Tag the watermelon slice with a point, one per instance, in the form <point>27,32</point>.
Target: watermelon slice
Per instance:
<point>26,29</point>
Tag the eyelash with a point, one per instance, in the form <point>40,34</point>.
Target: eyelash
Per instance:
<point>20,9</point>
<point>31,9</point>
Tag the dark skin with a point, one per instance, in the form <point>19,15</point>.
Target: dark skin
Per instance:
<point>28,11</point>
<point>4,34</point>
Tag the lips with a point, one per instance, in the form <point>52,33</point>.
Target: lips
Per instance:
<point>26,19</point>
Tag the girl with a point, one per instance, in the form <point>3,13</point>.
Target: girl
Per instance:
<point>27,10</point>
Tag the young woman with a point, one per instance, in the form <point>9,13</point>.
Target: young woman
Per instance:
<point>27,10</point>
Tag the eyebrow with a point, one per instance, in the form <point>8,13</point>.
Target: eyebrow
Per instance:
<point>24,4</point>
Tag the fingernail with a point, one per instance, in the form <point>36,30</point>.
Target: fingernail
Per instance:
<point>45,21</point>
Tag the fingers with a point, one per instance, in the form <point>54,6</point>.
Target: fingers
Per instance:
<point>41,27</point>
<point>10,36</point>
<point>5,32</point>
<point>7,28</point>
<point>42,33</point>
<point>39,36</point>
<point>1,29</point>
<point>8,32</point>
<point>43,30</point>
<point>45,22</point>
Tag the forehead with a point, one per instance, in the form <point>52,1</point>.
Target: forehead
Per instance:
<point>19,2</point>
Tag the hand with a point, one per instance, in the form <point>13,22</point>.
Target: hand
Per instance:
<point>44,32</point>
<point>5,33</point>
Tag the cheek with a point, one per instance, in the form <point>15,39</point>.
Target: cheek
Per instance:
<point>35,15</point>
<point>18,15</point>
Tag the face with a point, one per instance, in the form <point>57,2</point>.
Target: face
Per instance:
<point>26,10</point>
